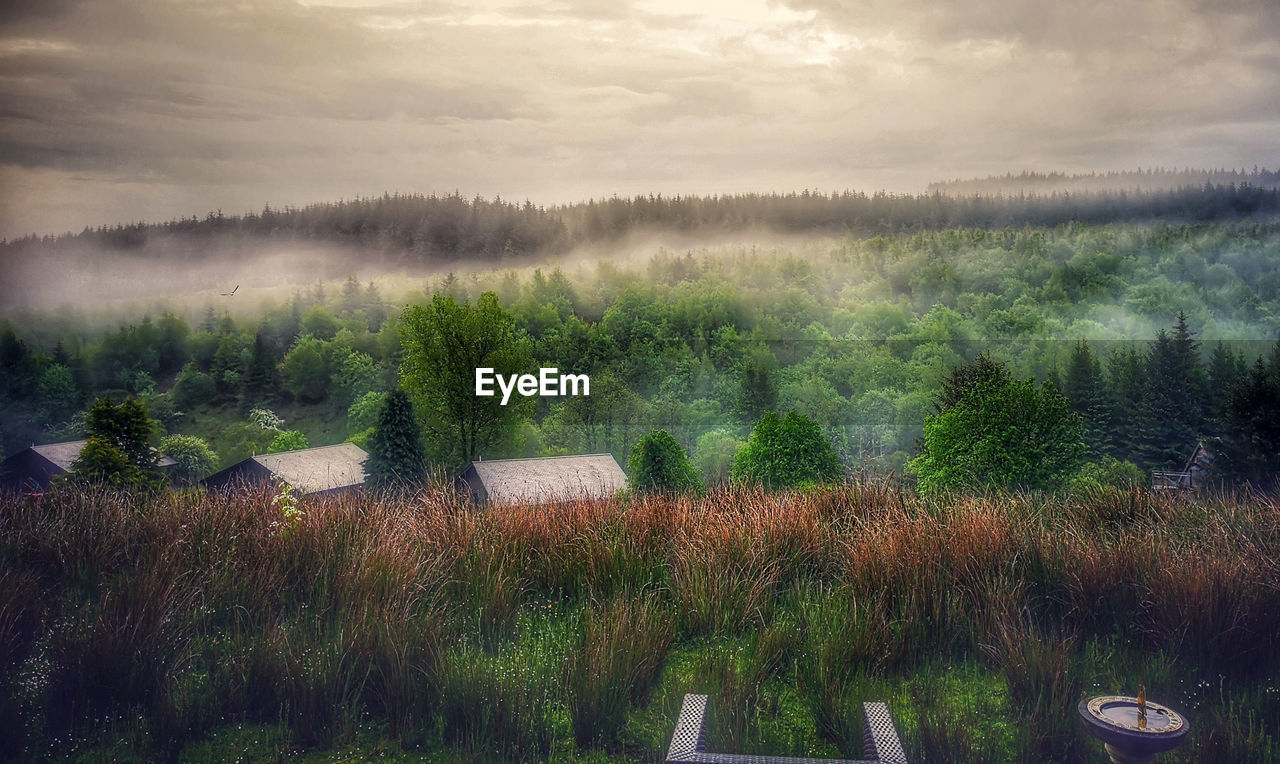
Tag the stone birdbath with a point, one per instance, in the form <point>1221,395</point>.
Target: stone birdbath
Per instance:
<point>1133,729</point>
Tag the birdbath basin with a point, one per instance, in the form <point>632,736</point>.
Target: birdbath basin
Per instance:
<point>1116,720</point>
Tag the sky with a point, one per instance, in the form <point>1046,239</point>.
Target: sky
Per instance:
<point>127,110</point>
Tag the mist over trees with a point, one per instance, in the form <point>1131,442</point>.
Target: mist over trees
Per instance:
<point>415,228</point>
<point>1118,182</point>
<point>1146,329</point>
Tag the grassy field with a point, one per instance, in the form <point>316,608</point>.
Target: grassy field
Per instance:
<point>424,628</point>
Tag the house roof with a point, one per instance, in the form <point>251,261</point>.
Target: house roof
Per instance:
<point>548,479</point>
<point>63,455</point>
<point>314,470</point>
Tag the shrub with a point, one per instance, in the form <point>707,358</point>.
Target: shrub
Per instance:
<point>1110,472</point>
<point>786,451</point>
<point>194,457</point>
<point>289,440</point>
<point>659,465</point>
<point>193,387</point>
<point>713,455</point>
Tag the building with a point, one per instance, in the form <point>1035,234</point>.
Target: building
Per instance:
<point>313,471</point>
<point>544,480</point>
<point>31,469</point>
<point>1194,475</point>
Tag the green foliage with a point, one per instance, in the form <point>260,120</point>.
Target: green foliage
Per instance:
<point>288,440</point>
<point>57,396</point>
<point>266,419</point>
<point>193,387</point>
<point>260,383</point>
<point>659,465</point>
<point>1174,408</point>
<point>126,426</point>
<point>194,457</point>
<point>1108,472</point>
<point>102,462</point>
<point>362,415</point>
<point>786,451</point>
<point>1249,449</point>
<point>396,455</point>
<point>356,375</point>
<point>996,431</point>
<point>306,370</point>
<point>1086,390</point>
<point>444,343</point>
<point>757,393</point>
<point>713,455</point>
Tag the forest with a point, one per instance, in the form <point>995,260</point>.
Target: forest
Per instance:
<point>1151,330</point>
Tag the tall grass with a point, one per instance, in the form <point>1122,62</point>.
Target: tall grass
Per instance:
<point>519,632</point>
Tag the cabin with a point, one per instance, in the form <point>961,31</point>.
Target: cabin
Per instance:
<point>313,471</point>
<point>32,469</point>
<point>545,480</point>
<point>1194,475</point>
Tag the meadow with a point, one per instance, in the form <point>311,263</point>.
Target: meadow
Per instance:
<point>415,627</point>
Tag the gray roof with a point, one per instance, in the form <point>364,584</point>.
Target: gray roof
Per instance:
<point>313,470</point>
<point>548,479</point>
<point>65,454</point>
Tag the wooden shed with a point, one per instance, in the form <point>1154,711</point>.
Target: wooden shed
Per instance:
<point>31,469</point>
<point>1194,475</point>
<point>313,471</point>
<point>544,480</point>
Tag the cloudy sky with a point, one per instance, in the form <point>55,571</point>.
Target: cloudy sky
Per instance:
<point>121,110</point>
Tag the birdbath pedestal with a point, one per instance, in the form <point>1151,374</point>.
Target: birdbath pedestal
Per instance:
<point>1132,737</point>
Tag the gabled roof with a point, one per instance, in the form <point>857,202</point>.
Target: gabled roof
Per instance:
<point>548,479</point>
<point>65,454</point>
<point>311,470</point>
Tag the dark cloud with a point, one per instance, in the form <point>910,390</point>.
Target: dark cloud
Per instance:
<point>125,109</point>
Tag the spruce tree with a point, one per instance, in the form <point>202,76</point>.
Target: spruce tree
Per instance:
<point>1127,383</point>
<point>1249,449</point>
<point>261,380</point>
<point>1174,403</point>
<point>1226,371</point>
<point>1085,388</point>
<point>396,455</point>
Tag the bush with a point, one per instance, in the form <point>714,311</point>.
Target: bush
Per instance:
<point>1110,472</point>
<point>194,457</point>
<point>786,451</point>
<point>659,465</point>
<point>289,440</point>
<point>713,455</point>
<point>192,388</point>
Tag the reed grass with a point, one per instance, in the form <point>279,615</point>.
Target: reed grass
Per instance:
<point>532,631</point>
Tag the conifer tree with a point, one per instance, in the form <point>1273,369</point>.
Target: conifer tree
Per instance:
<point>1085,388</point>
<point>396,455</point>
<point>1127,384</point>
<point>1226,370</point>
<point>1249,449</point>
<point>261,380</point>
<point>1175,393</point>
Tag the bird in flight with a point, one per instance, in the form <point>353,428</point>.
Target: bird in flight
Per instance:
<point>231,293</point>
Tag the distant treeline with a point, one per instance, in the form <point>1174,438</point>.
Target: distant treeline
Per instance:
<point>1128,181</point>
<point>441,228</point>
